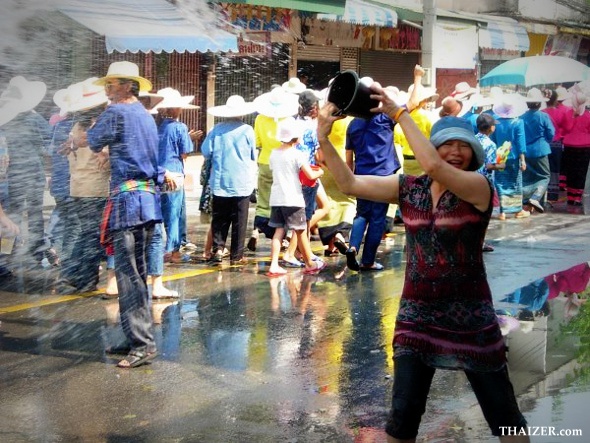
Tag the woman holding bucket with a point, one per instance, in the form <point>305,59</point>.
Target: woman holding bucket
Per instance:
<point>446,318</point>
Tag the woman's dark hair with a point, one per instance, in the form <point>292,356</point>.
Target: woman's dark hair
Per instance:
<point>551,94</point>
<point>534,105</point>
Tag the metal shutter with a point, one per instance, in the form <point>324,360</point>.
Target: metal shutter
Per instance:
<point>319,53</point>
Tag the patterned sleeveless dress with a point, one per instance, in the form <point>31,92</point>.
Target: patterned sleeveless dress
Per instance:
<point>446,314</point>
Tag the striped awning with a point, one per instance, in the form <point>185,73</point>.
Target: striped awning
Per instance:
<point>507,36</point>
<point>363,13</point>
<point>150,26</point>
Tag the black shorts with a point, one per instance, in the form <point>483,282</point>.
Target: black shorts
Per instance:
<point>411,384</point>
<point>287,217</point>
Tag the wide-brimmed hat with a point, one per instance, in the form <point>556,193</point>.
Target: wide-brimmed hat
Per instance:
<point>126,70</point>
<point>456,128</point>
<point>149,99</point>
<point>294,86</point>
<point>462,91</point>
<point>62,99</point>
<point>235,106</point>
<point>23,94</point>
<point>289,129</point>
<point>425,93</point>
<point>480,101</point>
<point>173,99</point>
<point>562,93</point>
<point>450,106</point>
<point>7,112</point>
<point>534,95</point>
<point>85,95</point>
<point>277,103</point>
<point>510,106</point>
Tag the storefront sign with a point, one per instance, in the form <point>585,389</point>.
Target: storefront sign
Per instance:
<point>256,44</point>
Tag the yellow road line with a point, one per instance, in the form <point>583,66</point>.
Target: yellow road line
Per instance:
<point>52,300</point>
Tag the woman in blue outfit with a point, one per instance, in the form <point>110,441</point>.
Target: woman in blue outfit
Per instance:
<point>510,128</point>
<point>175,145</point>
<point>539,132</point>
<point>231,148</point>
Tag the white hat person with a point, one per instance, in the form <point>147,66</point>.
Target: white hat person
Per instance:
<point>289,129</point>
<point>125,70</point>
<point>23,94</point>
<point>150,99</point>
<point>19,96</point>
<point>462,91</point>
<point>534,95</point>
<point>173,99</point>
<point>86,95</point>
<point>294,86</point>
<point>510,105</point>
<point>235,106</point>
<point>277,104</point>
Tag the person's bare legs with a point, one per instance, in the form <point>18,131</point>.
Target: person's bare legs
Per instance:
<point>275,250</point>
<point>289,254</point>
<point>111,283</point>
<point>208,250</point>
<point>305,248</point>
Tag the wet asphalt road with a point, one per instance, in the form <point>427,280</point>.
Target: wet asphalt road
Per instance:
<point>245,358</point>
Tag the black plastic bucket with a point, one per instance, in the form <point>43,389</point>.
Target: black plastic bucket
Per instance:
<point>351,96</point>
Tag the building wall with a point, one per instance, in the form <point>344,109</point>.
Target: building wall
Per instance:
<point>550,10</point>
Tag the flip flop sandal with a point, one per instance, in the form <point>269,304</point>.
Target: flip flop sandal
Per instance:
<point>107,296</point>
<point>319,266</point>
<point>275,274</point>
<point>292,263</point>
<point>136,358</point>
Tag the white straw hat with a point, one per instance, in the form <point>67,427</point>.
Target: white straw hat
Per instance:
<point>149,99</point>
<point>23,94</point>
<point>125,70</point>
<point>235,106</point>
<point>294,86</point>
<point>289,129</point>
<point>86,95</point>
<point>534,95</point>
<point>277,104</point>
<point>173,99</point>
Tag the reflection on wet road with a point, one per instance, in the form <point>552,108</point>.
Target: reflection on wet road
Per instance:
<point>294,358</point>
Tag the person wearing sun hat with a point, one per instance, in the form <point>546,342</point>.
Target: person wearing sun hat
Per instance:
<point>131,137</point>
<point>446,214</point>
<point>271,107</point>
<point>175,145</point>
<point>231,147</point>
<point>539,132</point>
<point>87,193</point>
<point>510,129</point>
<point>28,135</point>
<point>294,85</point>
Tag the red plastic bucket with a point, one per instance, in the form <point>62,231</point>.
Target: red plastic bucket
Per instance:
<point>303,178</point>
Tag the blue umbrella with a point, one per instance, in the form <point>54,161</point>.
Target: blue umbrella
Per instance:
<point>536,70</point>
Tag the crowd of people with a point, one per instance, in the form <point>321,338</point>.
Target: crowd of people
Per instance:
<point>117,154</point>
